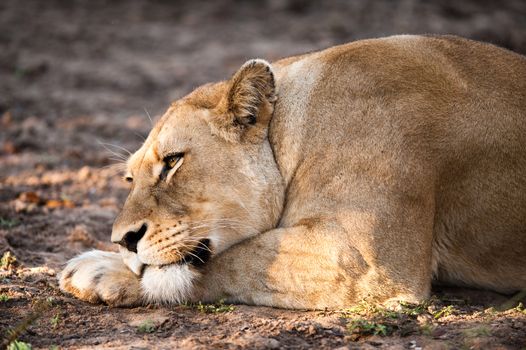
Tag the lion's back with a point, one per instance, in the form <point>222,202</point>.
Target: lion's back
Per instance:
<point>448,111</point>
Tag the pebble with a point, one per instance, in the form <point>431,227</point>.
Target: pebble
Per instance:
<point>267,343</point>
<point>413,345</point>
<point>311,330</point>
<point>258,342</point>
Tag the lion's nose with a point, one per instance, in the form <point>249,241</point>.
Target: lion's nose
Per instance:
<point>131,238</point>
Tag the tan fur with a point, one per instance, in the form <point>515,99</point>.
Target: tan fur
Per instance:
<point>365,170</point>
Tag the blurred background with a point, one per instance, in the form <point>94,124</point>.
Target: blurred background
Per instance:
<point>72,57</point>
<point>78,79</point>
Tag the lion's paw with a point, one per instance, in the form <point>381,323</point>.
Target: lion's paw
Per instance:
<point>98,276</point>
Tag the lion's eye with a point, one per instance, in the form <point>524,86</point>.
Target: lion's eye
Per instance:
<point>128,179</point>
<point>171,160</point>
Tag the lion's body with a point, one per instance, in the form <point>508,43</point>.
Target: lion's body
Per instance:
<point>401,161</point>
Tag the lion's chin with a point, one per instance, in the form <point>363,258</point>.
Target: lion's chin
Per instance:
<point>168,284</point>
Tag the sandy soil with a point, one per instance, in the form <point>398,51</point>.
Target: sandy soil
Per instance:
<point>77,79</point>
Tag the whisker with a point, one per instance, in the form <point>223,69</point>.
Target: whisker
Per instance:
<point>112,169</point>
<point>192,254</point>
<point>206,230</point>
<point>120,157</point>
<point>118,160</point>
<point>116,146</point>
<point>221,221</point>
<point>223,226</point>
<point>219,225</point>
<point>140,136</point>
<point>149,116</point>
<point>120,166</point>
<point>199,243</point>
<point>234,223</point>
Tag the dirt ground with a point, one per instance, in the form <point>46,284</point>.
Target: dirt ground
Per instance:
<point>77,80</point>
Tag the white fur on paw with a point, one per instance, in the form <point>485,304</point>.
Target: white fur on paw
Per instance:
<point>169,284</point>
<point>100,276</point>
<point>81,269</point>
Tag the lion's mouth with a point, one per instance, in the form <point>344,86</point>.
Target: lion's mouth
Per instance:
<point>199,256</point>
<point>196,257</point>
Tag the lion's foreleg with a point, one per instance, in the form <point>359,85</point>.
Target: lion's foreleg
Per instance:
<point>295,267</point>
<point>327,264</point>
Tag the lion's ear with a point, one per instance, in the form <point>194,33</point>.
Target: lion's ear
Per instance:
<point>252,87</point>
<point>249,102</point>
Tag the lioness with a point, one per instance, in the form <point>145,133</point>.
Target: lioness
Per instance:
<point>370,169</point>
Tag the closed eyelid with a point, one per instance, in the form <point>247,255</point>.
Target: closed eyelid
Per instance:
<point>167,174</point>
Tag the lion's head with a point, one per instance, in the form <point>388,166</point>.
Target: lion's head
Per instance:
<point>205,178</point>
